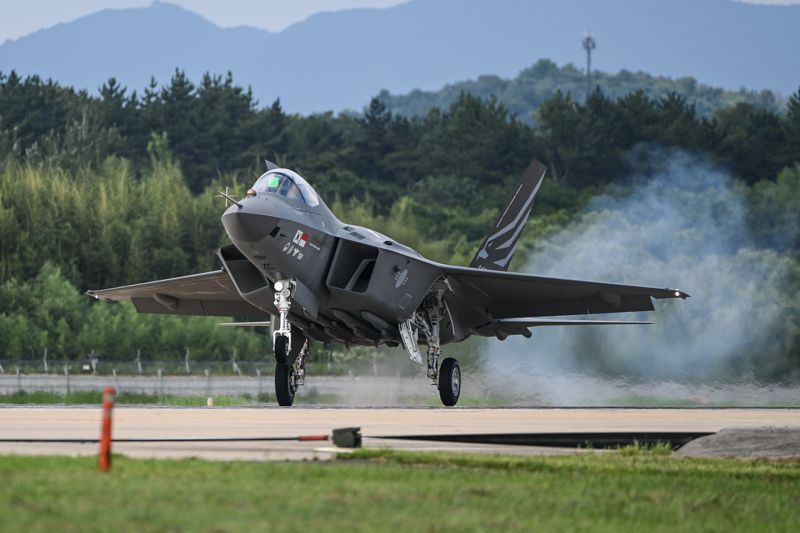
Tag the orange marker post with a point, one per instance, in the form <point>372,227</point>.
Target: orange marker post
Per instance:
<point>104,459</point>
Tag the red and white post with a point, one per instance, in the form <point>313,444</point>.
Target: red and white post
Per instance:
<point>104,458</point>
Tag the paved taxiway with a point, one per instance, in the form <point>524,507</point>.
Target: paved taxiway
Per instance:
<point>154,423</point>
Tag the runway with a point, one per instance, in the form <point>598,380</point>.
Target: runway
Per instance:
<point>159,423</point>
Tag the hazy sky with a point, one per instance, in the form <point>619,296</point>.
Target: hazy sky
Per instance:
<point>20,17</point>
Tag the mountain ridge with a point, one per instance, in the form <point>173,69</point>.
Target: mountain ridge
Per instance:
<point>338,60</point>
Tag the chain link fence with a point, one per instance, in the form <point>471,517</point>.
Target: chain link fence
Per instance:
<point>243,379</point>
<point>161,384</point>
<point>139,367</point>
<point>349,383</point>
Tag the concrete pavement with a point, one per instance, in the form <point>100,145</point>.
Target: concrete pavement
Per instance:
<point>155,423</point>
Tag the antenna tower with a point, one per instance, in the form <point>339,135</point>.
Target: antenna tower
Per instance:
<point>589,44</point>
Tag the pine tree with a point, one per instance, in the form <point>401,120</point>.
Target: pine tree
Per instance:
<point>792,129</point>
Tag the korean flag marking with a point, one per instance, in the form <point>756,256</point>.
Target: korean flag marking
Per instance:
<point>300,238</point>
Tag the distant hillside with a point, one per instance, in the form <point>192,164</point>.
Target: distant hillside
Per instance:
<point>336,61</point>
<point>523,94</point>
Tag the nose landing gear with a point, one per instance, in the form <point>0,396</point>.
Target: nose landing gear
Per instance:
<point>290,346</point>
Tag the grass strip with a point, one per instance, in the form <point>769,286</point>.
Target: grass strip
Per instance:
<point>391,491</point>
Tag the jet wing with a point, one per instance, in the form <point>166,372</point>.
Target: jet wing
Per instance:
<point>207,294</point>
<point>514,295</point>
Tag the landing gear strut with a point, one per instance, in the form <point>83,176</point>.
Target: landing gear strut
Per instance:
<point>426,321</point>
<point>282,330</point>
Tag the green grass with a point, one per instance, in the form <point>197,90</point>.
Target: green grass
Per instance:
<point>312,396</point>
<point>131,398</point>
<point>633,490</point>
<point>45,398</point>
<point>94,398</point>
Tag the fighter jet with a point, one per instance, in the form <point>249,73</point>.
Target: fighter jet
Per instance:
<point>294,266</point>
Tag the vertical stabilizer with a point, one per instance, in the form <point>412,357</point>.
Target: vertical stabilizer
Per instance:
<point>499,246</point>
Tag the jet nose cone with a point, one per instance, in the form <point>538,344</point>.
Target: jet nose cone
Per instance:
<point>246,226</point>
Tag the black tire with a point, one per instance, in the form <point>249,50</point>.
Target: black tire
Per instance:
<point>281,349</point>
<point>449,382</point>
<point>284,375</point>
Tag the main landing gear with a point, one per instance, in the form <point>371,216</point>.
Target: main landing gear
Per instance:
<point>290,347</point>
<point>447,377</point>
<point>449,382</point>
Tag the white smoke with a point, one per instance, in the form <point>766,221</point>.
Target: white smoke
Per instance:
<point>685,228</point>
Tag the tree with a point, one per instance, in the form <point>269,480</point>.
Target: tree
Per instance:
<point>792,129</point>
<point>560,128</point>
<point>752,140</point>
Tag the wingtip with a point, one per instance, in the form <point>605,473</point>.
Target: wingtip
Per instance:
<point>96,296</point>
<point>677,293</point>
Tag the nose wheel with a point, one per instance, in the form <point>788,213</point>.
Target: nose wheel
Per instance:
<point>281,347</point>
<point>285,384</point>
<point>290,367</point>
<point>449,382</point>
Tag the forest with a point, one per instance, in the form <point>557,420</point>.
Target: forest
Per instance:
<point>538,83</point>
<point>120,187</point>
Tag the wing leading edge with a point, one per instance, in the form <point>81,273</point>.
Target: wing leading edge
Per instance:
<point>207,294</point>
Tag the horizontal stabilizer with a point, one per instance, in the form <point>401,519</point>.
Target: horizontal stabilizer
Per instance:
<point>503,327</point>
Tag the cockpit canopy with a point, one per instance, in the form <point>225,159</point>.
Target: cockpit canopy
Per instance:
<point>288,184</point>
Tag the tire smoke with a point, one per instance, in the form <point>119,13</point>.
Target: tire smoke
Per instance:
<point>683,227</point>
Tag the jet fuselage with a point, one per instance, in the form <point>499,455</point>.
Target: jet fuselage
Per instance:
<point>352,284</point>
